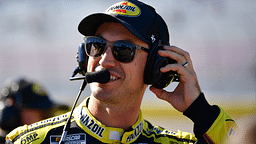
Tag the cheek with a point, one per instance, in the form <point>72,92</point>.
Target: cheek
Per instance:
<point>140,63</point>
<point>140,69</point>
<point>137,71</point>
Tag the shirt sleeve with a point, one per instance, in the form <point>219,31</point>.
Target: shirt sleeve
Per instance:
<point>211,123</point>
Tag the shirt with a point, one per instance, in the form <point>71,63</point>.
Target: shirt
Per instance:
<point>86,129</point>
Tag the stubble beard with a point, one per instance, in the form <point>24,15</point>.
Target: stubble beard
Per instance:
<point>115,96</point>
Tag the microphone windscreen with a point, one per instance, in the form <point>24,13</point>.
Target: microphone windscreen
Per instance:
<point>102,76</point>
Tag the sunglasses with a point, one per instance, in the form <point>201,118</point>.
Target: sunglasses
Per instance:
<point>123,51</point>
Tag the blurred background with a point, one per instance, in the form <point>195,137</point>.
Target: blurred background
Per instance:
<point>39,40</point>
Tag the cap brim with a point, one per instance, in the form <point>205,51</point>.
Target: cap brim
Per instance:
<point>89,25</point>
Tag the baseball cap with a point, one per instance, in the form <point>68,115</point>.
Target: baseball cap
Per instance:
<point>31,94</point>
<point>36,97</point>
<point>139,18</point>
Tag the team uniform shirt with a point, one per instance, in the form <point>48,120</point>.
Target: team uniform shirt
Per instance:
<point>85,129</point>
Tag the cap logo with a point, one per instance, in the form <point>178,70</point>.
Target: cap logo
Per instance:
<point>153,38</point>
<point>124,8</point>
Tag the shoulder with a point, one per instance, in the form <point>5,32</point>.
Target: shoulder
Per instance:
<point>160,134</point>
<point>36,131</point>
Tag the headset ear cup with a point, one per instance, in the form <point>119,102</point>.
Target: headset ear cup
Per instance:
<point>160,80</point>
<point>152,73</point>
<point>9,118</point>
<point>82,59</point>
<point>149,66</point>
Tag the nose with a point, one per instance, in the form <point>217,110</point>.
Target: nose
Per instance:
<point>107,59</point>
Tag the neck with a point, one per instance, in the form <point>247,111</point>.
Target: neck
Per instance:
<point>122,115</point>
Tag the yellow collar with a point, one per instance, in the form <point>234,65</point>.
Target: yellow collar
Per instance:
<point>105,134</point>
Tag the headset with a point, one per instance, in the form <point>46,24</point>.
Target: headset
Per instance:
<point>152,73</point>
<point>82,60</point>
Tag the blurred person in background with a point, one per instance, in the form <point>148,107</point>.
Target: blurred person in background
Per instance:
<point>22,102</point>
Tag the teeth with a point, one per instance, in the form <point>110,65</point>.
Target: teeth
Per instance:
<point>113,77</point>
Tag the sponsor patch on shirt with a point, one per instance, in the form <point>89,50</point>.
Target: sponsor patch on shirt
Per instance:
<point>91,124</point>
<point>50,121</point>
<point>114,135</point>
<point>79,138</point>
<point>137,131</point>
<point>29,138</point>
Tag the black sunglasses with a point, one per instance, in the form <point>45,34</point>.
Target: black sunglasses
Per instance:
<point>123,51</point>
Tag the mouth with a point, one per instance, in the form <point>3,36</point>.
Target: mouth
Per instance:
<point>112,77</point>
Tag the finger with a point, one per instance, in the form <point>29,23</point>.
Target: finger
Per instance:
<point>179,51</point>
<point>184,73</point>
<point>175,49</point>
<point>173,55</point>
<point>173,67</point>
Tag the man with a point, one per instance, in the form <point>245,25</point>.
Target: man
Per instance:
<point>22,102</point>
<point>127,40</point>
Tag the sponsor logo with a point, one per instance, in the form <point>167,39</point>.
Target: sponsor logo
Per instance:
<point>231,132</point>
<point>158,131</point>
<point>114,135</point>
<point>137,131</point>
<point>79,138</point>
<point>124,8</point>
<point>29,138</point>
<point>169,132</point>
<point>91,124</point>
<point>153,38</point>
<point>54,120</point>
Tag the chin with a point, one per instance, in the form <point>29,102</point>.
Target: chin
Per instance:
<point>100,94</point>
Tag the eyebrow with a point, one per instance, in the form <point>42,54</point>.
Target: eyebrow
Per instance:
<point>100,36</point>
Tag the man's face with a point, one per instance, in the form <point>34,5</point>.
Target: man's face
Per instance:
<point>126,81</point>
<point>29,116</point>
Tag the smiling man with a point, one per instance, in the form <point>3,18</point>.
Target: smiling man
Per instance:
<point>131,41</point>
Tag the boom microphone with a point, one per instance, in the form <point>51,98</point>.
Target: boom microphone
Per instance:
<point>102,76</point>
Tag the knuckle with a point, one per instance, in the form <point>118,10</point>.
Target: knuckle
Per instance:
<point>186,54</point>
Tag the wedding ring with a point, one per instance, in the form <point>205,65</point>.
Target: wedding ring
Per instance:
<point>185,64</point>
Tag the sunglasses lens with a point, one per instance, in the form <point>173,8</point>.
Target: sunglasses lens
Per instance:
<point>95,46</point>
<point>123,51</point>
